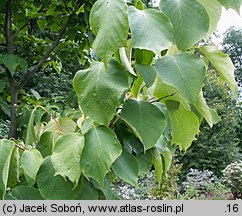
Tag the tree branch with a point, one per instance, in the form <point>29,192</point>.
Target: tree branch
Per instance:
<point>30,74</point>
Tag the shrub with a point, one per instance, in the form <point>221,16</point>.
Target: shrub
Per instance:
<point>232,176</point>
<point>203,185</point>
<point>141,192</point>
<point>199,180</point>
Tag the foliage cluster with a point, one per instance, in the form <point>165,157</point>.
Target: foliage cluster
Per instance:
<point>232,176</point>
<point>142,88</point>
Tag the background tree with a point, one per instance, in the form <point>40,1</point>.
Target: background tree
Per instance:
<point>30,34</point>
<point>215,147</point>
<point>232,45</point>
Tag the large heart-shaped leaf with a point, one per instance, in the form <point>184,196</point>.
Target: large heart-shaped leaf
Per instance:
<point>185,72</point>
<point>150,29</point>
<point>66,156</point>
<point>223,65</point>
<point>54,187</point>
<point>145,119</point>
<point>101,149</point>
<point>109,22</point>
<point>99,90</point>
<point>31,161</point>
<point>184,125</point>
<point>6,149</point>
<point>214,11</point>
<point>12,62</point>
<point>126,167</point>
<point>189,19</point>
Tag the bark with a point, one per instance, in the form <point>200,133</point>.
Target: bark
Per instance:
<point>11,81</point>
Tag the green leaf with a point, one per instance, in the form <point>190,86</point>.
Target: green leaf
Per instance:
<point>9,197</point>
<point>107,191</point>
<point>57,66</point>
<point>10,61</point>
<point>3,84</point>
<point>13,176</point>
<point>136,86</point>
<point>30,134</point>
<point>42,23</point>
<point>99,90</point>
<point>54,187</point>
<point>185,72</point>
<point>26,193</point>
<point>184,125</point>
<point>189,19</point>
<point>223,65</point>
<point>166,92</point>
<point>145,119</point>
<point>86,190</point>
<point>139,4</point>
<point>214,11</point>
<point>66,156</point>
<point>36,94</point>
<point>109,16</point>
<point>166,154</point>
<point>23,64</point>
<point>157,161</point>
<point>6,149</point>
<point>144,161</point>
<point>204,110</point>
<point>147,72</point>
<point>143,57</point>
<point>46,142</point>
<point>126,168</point>
<point>61,125</point>
<point>234,4</point>
<point>151,30</point>
<point>215,116</point>
<point>13,61</point>
<point>31,161</point>
<point>101,149</point>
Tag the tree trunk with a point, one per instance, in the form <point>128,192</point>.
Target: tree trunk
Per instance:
<point>12,85</point>
<point>13,112</point>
